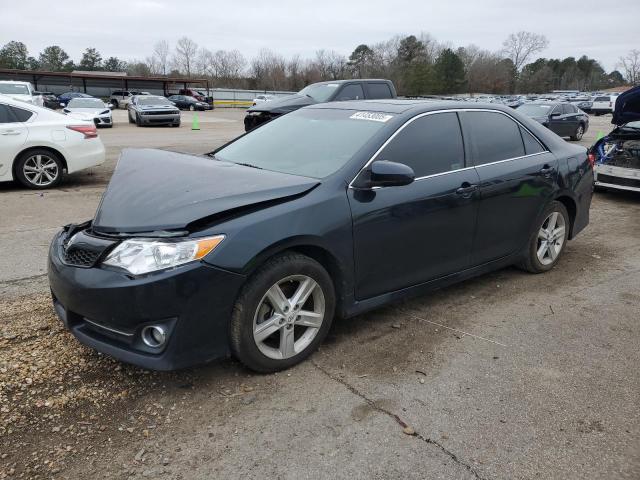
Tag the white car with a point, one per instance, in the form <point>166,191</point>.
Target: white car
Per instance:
<point>263,99</point>
<point>92,109</point>
<point>603,104</point>
<point>38,145</point>
<point>22,91</point>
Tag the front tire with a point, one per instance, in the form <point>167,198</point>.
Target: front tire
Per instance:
<point>138,121</point>
<point>192,108</point>
<point>39,169</point>
<point>282,314</point>
<point>548,240</point>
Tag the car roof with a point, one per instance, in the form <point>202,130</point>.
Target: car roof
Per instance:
<point>413,106</point>
<point>15,81</point>
<point>352,80</point>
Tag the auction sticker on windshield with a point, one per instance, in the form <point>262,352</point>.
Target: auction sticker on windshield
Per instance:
<point>372,116</point>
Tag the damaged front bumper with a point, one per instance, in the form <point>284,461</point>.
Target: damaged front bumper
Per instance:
<point>108,310</point>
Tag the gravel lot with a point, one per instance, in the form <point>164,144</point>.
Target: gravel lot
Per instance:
<point>506,376</point>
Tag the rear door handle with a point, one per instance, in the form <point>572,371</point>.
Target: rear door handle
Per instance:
<point>466,189</point>
<point>10,132</point>
<point>546,171</point>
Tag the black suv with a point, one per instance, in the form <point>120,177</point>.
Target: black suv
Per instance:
<point>333,91</point>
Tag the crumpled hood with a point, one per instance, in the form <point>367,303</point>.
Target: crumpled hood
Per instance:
<point>283,104</point>
<point>156,190</point>
<point>627,107</point>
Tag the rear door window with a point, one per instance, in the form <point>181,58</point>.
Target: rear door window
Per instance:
<point>351,92</point>
<point>493,136</point>
<point>21,114</point>
<point>378,90</point>
<point>6,116</point>
<point>429,145</point>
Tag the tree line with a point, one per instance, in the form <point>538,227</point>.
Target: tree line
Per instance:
<point>418,65</point>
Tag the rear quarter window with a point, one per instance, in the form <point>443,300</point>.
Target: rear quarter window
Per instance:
<point>531,145</point>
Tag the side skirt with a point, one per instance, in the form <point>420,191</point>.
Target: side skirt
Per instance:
<point>361,306</point>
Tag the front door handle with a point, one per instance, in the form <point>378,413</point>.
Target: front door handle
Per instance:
<point>466,189</point>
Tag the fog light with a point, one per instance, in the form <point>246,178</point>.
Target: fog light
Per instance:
<point>154,336</point>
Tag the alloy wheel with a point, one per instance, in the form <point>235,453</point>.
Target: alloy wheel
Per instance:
<point>579,132</point>
<point>551,238</point>
<point>40,170</point>
<point>289,317</point>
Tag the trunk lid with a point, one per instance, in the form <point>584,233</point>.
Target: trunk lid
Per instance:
<point>627,108</point>
<point>157,190</point>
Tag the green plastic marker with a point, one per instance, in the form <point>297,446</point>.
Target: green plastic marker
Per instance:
<point>195,125</point>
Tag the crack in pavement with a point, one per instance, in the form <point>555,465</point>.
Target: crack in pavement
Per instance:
<point>23,279</point>
<point>397,419</point>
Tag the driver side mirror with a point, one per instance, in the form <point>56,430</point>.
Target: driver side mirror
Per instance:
<point>383,173</point>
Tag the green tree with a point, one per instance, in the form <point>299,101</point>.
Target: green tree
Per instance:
<point>114,64</point>
<point>411,50</point>
<point>55,59</point>
<point>91,60</point>
<point>360,60</point>
<point>14,55</point>
<point>448,72</point>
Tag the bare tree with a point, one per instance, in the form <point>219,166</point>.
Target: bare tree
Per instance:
<point>519,47</point>
<point>631,66</point>
<point>185,55</point>
<point>161,56</point>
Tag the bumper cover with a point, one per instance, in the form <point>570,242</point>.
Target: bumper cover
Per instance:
<point>160,119</point>
<point>107,309</point>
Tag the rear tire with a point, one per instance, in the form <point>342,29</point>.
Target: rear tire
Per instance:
<point>39,169</point>
<point>115,104</point>
<point>548,240</point>
<point>578,134</point>
<point>267,337</point>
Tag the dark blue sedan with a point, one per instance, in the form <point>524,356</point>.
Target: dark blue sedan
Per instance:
<point>65,98</point>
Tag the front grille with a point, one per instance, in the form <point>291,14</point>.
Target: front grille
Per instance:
<point>78,249</point>
<point>161,112</point>
<point>622,181</point>
<point>79,257</point>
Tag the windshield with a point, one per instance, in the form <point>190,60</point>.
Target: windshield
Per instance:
<point>634,125</point>
<point>153,101</point>
<point>320,93</point>
<point>86,103</point>
<point>14,89</point>
<point>312,143</point>
<point>535,110</point>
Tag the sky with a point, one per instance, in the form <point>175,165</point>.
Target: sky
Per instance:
<point>129,29</point>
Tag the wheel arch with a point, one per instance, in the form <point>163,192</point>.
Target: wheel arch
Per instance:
<point>572,208</point>
<point>311,247</point>
<point>32,148</point>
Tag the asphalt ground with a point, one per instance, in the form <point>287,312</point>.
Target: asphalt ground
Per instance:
<point>506,376</point>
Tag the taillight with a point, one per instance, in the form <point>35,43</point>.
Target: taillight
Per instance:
<point>592,159</point>
<point>89,131</point>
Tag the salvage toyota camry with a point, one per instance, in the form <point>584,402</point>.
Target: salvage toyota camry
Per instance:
<point>332,210</point>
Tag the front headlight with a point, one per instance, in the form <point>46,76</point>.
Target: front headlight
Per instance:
<point>145,255</point>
